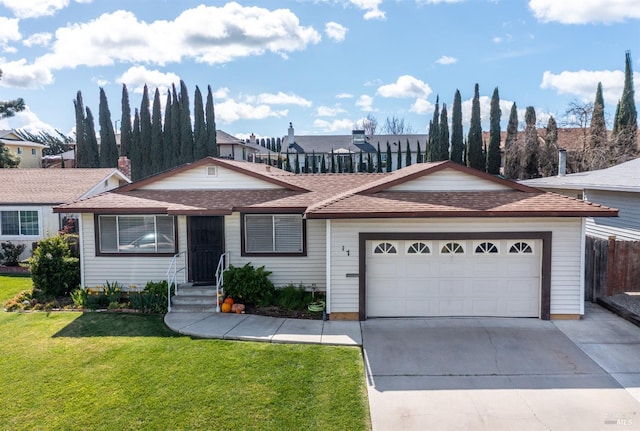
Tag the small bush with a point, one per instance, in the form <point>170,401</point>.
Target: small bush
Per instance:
<point>10,253</point>
<point>53,270</point>
<point>249,284</point>
<point>153,299</point>
<point>292,297</point>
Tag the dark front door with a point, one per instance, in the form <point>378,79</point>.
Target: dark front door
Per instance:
<point>206,245</point>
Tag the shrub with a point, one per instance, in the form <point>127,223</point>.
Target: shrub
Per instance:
<point>53,270</point>
<point>292,297</point>
<point>249,284</point>
<point>10,254</point>
<point>153,299</point>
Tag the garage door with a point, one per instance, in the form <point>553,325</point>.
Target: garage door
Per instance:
<point>420,278</point>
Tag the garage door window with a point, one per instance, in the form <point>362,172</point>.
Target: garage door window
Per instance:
<point>419,248</point>
<point>520,248</point>
<point>452,248</point>
<point>486,248</point>
<point>385,248</point>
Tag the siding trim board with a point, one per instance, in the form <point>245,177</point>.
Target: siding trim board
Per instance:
<point>545,236</point>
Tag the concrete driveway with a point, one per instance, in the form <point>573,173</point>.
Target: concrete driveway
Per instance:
<point>502,374</point>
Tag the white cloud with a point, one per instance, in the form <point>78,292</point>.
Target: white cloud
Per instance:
<point>445,59</point>
<point>344,96</point>
<point>343,125</point>
<point>437,1</point>
<point>336,31</point>
<point>422,106</point>
<point>371,7</point>
<point>20,74</point>
<point>38,39</point>
<point>365,103</point>
<point>9,30</point>
<point>329,111</point>
<point>589,11</point>
<point>280,99</point>
<point>27,120</point>
<point>221,93</point>
<point>36,8</point>
<point>583,84</point>
<point>405,86</point>
<point>497,39</point>
<point>230,111</point>
<point>137,76</point>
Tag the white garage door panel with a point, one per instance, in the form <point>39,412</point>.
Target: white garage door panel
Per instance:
<point>463,284</point>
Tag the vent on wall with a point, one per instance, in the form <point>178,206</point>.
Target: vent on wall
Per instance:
<point>212,171</point>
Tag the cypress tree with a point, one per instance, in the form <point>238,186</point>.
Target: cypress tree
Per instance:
<point>82,156</point>
<point>378,159</point>
<point>168,157</point>
<point>278,145</point>
<point>288,163</point>
<point>350,164</point>
<point>625,126</point>
<point>360,162</point>
<point>93,158</point>
<point>418,153</point>
<point>389,158</point>
<point>279,162</point>
<point>407,154</point>
<point>145,134</point>
<point>369,163</point>
<point>549,157</point>
<point>476,158</point>
<point>531,163</point>
<point>493,157</point>
<point>156,144</point>
<point>434,134</point>
<point>135,150</point>
<point>176,128</point>
<point>340,167</point>
<point>314,165</point>
<point>125,123</point>
<point>200,150</point>
<point>307,168</point>
<point>597,144</point>
<point>186,133</point>
<point>333,162</point>
<point>210,116</point>
<point>512,147</point>
<point>108,147</point>
<point>457,136</point>
<point>443,130</point>
<point>323,165</point>
<point>297,167</point>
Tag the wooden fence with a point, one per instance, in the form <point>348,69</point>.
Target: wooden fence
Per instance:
<point>611,267</point>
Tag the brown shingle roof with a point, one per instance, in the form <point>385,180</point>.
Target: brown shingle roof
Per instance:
<point>49,186</point>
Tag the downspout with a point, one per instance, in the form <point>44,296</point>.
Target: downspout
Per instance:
<point>328,264</point>
<point>583,242</point>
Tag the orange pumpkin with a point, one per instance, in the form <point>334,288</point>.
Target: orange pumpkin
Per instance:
<point>228,300</point>
<point>225,308</point>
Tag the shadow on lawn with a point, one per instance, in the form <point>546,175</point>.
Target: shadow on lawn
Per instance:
<point>116,325</point>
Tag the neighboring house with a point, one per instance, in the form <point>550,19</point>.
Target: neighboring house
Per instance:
<point>617,187</point>
<point>29,195</point>
<point>30,153</point>
<point>232,148</point>
<point>433,239</point>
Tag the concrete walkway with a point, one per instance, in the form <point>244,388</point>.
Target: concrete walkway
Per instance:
<point>250,327</point>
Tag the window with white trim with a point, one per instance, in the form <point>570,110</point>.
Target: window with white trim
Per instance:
<point>273,233</point>
<point>19,223</point>
<point>520,248</point>
<point>486,248</point>
<point>452,248</point>
<point>418,248</point>
<point>136,234</point>
<point>385,248</point>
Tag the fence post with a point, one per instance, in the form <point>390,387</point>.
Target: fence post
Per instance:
<point>611,259</point>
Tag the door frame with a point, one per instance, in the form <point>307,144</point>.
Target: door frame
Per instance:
<point>190,261</point>
<point>545,276</point>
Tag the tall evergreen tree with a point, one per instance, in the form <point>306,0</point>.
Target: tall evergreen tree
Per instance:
<point>625,126</point>
<point>389,158</point>
<point>531,162</point>
<point>340,167</point>
<point>434,133</point>
<point>493,156</point>
<point>210,117</point>
<point>168,156</point>
<point>378,159</point>
<point>549,156</point>
<point>186,133</point>
<point>399,156</point>
<point>360,162</point>
<point>443,131</point>
<point>333,162</point>
<point>93,158</point>
<point>597,152</point>
<point>512,151</point>
<point>323,165</point>
<point>82,155</point>
<point>297,166</point>
<point>108,147</point>
<point>419,158</point>
<point>457,136</point>
<point>200,150</point>
<point>134,150</point>
<point>157,143</point>
<point>176,128</point>
<point>476,157</point>
<point>145,134</point>
<point>125,123</point>
<point>288,163</point>
<point>407,154</point>
<point>307,168</point>
<point>369,163</point>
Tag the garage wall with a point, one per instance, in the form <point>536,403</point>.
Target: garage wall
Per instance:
<point>566,272</point>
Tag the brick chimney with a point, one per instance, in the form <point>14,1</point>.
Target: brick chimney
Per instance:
<point>124,166</point>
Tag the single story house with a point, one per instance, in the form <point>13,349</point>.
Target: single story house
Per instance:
<point>617,186</point>
<point>29,153</point>
<point>29,195</point>
<point>432,239</point>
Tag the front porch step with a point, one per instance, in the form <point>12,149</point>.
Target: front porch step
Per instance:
<point>194,299</point>
<point>192,309</point>
<point>197,291</point>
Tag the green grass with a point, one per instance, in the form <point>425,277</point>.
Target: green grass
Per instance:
<point>74,371</point>
<point>11,285</point>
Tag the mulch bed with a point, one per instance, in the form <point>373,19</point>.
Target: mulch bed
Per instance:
<point>14,269</point>
<point>274,311</point>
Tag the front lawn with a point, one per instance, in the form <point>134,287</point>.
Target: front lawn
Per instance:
<point>11,285</point>
<point>103,371</point>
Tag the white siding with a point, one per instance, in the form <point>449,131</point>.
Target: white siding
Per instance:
<point>566,272</point>
<point>448,180</point>
<point>626,226</point>
<point>48,224</point>
<point>200,177</point>
<point>308,270</point>
<point>127,270</point>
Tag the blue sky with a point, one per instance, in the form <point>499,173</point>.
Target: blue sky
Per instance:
<point>321,64</point>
